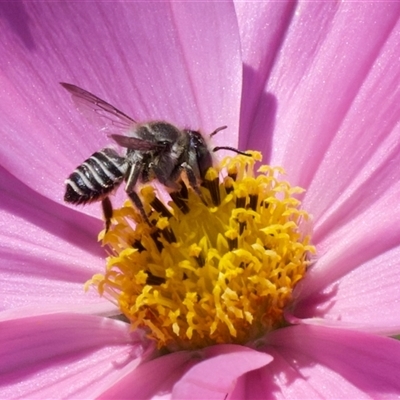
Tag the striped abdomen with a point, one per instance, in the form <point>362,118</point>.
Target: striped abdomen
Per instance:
<point>96,177</point>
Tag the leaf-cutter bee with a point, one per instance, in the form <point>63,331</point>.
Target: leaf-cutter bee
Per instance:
<point>155,150</point>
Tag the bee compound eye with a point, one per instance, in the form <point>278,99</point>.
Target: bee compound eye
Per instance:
<point>165,144</point>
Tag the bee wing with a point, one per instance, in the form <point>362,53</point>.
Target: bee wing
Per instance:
<point>99,110</point>
<point>135,143</point>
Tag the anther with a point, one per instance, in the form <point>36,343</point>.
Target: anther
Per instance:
<point>180,198</point>
<point>232,243</point>
<point>154,280</point>
<point>200,260</point>
<point>169,235</point>
<point>228,185</point>
<point>240,202</point>
<point>138,245</point>
<point>233,175</point>
<point>159,206</point>
<point>253,201</point>
<point>213,188</point>
<point>155,236</point>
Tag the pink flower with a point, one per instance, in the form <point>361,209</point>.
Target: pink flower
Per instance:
<point>314,86</point>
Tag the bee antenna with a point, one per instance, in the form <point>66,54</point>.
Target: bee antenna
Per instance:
<point>231,149</point>
<point>221,128</point>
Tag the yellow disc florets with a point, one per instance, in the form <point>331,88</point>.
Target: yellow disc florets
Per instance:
<point>219,268</point>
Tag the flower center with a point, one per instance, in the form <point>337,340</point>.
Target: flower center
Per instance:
<point>216,268</point>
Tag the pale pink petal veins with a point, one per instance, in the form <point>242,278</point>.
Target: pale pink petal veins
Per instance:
<point>262,27</point>
<point>134,55</point>
<point>362,223</point>
<point>47,251</point>
<point>337,135</point>
<point>360,164</point>
<point>64,355</point>
<point>319,362</point>
<point>367,298</point>
<point>306,24</point>
<point>359,257</point>
<point>364,237</point>
<point>316,90</point>
<point>210,45</point>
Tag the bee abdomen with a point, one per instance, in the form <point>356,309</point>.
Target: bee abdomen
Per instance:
<point>96,177</point>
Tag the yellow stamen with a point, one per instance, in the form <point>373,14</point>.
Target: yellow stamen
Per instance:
<point>219,268</point>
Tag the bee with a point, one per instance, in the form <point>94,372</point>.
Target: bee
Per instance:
<point>154,150</point>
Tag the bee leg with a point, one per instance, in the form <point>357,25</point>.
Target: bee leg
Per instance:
<point>139,205</point>
<point>131,180</point>
<point>107,211</point>
<point>193,181</point>
<point>181,197</point>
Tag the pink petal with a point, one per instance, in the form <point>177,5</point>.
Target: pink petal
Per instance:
<point>338,111</point>
<point>357,270</point>
<point>151,379</point>
<point>362,157</point>
<point>180,62</point>
<point>189,374</point>
<point>317,78</point>
<point>48,252</point>
<point>216,376</point>
<point>64,355</point>
<point>312,362</point>
<point>367,298</point>
<point>210,46</point>
<point>262,29</point>
<point>278,380</point>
